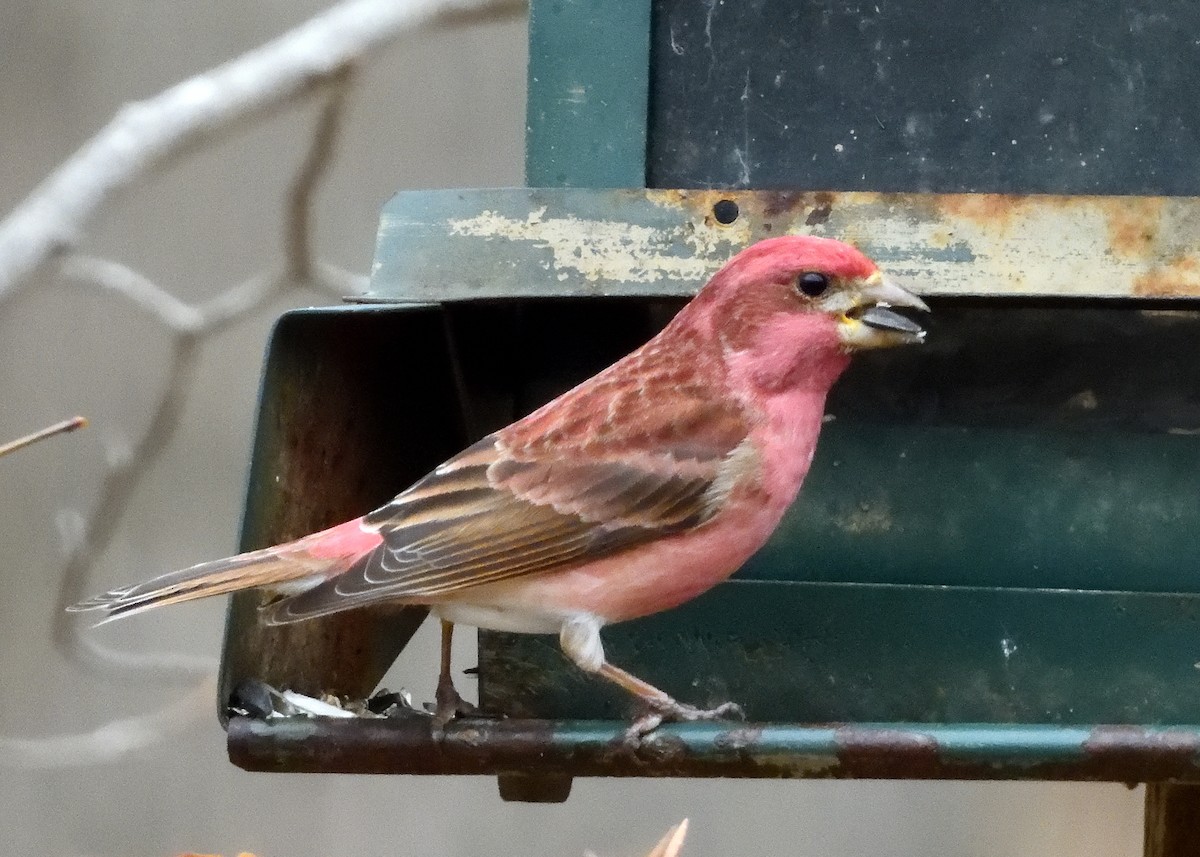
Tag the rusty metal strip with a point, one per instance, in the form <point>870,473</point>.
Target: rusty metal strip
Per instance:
<point>452,245</point>
<point>593,749</point>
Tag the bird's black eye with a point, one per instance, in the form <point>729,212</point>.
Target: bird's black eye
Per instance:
<point>813,283</point>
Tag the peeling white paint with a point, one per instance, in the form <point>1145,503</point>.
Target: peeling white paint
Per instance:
<point>597,250</point>
<point>942,245</point>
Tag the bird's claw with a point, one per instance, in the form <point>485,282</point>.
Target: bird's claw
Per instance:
<point>449,704</point>
<point>671,711</point>
<point>724,711</point>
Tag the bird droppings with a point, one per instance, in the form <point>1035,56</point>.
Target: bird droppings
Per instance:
<point>865,518</point>
<point>1008,647</point>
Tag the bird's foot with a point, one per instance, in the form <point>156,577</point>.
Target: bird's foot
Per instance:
<point>449,704</point>
<point>671,711</point>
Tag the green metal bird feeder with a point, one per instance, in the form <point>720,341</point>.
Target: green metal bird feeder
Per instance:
<point>991,571</point>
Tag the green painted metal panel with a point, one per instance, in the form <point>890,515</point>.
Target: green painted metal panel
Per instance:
<point>817,653</point>
<point>1069,96</point>
<point>356,403</point>
<point>1037,507</point>
<point>462,245</point>
<point>589,68</point>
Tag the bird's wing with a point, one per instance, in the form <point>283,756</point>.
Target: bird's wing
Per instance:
<point>526,500</point>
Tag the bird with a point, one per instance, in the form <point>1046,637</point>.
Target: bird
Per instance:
<point>630,494</point>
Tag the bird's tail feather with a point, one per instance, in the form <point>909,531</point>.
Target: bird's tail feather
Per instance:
<point>290,570</point>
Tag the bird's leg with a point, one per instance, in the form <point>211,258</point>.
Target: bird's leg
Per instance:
<point>580,641</point>
<point>449,703</point>
<point>663,707</point>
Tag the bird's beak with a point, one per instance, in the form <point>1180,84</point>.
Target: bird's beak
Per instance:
<point>872,323</point>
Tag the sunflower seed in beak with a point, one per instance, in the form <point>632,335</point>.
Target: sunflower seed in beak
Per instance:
<point>882,318</point>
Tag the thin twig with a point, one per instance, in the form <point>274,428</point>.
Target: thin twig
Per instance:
<point>192,324</point>
<point>49,431</point>
<point>100,527</point>
<point>212,315</point>
<point>125,282</point>
<point>297,237</point>
<point>235,303</point>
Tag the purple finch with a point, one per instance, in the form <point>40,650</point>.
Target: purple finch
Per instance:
<point>632,493</point>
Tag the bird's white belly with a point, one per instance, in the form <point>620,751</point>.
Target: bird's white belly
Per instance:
<point>497,618</point>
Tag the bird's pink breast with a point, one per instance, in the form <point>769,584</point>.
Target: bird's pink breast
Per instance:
<point>774,376</point>
<point>672,570</point>
<point>643,580</point>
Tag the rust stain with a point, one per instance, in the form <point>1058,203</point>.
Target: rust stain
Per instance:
<point>670,196</point>
<point>998,210</point>
<point>1178,278</point>
<point>765,212</point>
<point>784,765</point>
<point>698,204</point>
<point>819,214</point>
<point>777,202</point>
<point>887,753</point>
<point>1171,753</point>
<point>788,209</point>
<point>1133,225</point>
<point>994,210</point>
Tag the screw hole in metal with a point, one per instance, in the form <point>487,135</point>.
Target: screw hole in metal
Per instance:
<point>725,211</point>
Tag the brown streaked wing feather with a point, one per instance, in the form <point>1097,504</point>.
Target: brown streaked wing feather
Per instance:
<point>496,512</point>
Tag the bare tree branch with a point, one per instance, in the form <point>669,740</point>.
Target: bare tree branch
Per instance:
<point>144,136</point>
<point>297,238</point>
<point>191,324</point>
<point>100,527</point>
<point>121,280</point>
<point>48,226</point>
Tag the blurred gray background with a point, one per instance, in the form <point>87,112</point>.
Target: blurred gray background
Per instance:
<point>438,109</point>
